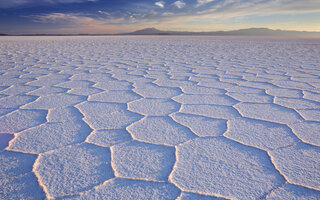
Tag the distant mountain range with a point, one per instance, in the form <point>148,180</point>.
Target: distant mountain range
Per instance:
<point>241,32</point>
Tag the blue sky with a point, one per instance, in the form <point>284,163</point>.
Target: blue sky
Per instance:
<point>116,16</point>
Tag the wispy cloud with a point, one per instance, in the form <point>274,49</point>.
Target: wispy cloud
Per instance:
<point>104,13</point>
<point>77,19</point>
<point>78,23</point>
<point>203,2</point>
<point>63,18</point>
<point>215,9</point>
<point>173,14</point>
<point>234,8</point>
<point>179,4</point>
<point>160,4</point>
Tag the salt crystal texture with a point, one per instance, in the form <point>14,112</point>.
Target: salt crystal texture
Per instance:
<point>159,118</point>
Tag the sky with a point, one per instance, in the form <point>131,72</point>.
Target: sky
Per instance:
<point>120,16</point>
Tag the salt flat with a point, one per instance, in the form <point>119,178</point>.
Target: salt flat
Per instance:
<point>133,117</point>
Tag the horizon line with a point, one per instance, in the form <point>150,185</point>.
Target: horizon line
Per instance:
<point>235,32</point>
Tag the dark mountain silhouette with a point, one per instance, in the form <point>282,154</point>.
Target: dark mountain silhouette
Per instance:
<point>149,31</point>
<point>241,32</point>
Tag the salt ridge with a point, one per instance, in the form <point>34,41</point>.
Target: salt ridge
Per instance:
<point>159,118</point>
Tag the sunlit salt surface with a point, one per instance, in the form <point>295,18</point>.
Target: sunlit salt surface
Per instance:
<point>159,117</point>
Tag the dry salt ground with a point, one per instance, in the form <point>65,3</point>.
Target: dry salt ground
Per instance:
<point>159,118</point>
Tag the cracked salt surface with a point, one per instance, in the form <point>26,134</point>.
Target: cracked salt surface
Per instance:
<point>159,118</point>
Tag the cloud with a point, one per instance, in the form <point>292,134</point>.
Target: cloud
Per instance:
<point>104,13</point>
<point>75,23</point>
<point>63,18</point>
<point>174,15</point>
<point>203,2</point>
<point>160,4</point>
<point>179,4</point>
<point>234,8</point>
<point>229,14</point>
<point>166,14</point>
<point>215,9</point>
<point>18,3</point>
<point>75,20</point>
<point>295,5</point>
